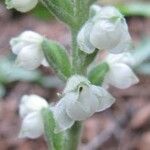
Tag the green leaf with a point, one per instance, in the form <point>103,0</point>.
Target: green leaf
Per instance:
<point>55,141</point>
<point>63,10</point>
<point>57,57</point>
<point>97,74</point>
<point>41,13</point>
<point>131,9</point>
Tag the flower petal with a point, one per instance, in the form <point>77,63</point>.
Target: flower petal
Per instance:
<point>81,106</point>
<point>62,120</point>
<point>83,38</point>
<point>125,58</point>
<point>104,30</point>
<point>31,37</point>
<point>104,97</point>
<point>30,57</point>
<point>74,81</point>
<point>32,126</point>
<point>95,10</point>
<point>45,63</point>
<point>31,103</point>
<point>125,41</point>
<point>17,45</point>
<point>121,76</point>
<point>22,6</point>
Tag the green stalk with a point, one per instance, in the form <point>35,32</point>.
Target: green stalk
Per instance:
<point>74,135</point>
<point>79,65</point>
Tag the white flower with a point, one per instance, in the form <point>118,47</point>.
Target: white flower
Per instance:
<point>107,30</point>
<point>120,74</point>
<point>81,100</point>
<point>30,111</point>
<point>21,5</point>
<point>27,47</point>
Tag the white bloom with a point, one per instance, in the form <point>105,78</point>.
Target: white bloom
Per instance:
<point>30,111</point>
<point>21,5</point>
<point>27,47</point>
<point>120,74</point>
<point>81,100</point>
<point>107,30</point>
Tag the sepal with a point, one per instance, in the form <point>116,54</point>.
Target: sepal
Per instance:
<point>57,57</point>
<point>97,74</point>
<point>57,140</point>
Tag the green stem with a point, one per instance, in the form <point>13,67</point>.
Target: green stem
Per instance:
<point>74,135</point>
<point>75,51</point>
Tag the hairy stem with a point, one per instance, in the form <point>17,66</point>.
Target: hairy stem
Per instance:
<point>74,135</point>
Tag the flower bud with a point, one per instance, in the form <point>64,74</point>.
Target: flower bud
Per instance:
<point>30,110</point>
<point>107,30</point>
<point>120,74</point>
<point>21,5</point>
<point>27,47</point>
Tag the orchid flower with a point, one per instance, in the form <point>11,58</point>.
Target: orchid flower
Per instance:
<point>27,47</point>
<point>30,111</point>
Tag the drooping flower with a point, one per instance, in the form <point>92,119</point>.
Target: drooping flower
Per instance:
<point>81,100</point>
<point>21,5</point>
<point>106,30</point>
<point>30,111</point>
<point>27,47</point>
<point>120,74</point>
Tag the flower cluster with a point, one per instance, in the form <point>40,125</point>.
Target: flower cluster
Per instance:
<point>106,29</point>
<point>80,100</point>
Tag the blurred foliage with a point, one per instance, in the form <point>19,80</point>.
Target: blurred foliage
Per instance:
<point>10,73</point>
<point>142,57</point>
<point>135,9</point>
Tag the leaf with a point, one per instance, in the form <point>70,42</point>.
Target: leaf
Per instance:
<point>63,10</point>
<point>41,13</point>
<point>97,74</point>
<point>57,57</point>
<point>56,141</point>
<point>131,9</point>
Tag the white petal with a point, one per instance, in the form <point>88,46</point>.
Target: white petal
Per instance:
<point>105,34</point>
<point>74,81</point>
<point>32,126</point>
<point>22,6</point>
<point>31,103</point>
<point>83,38</point>
<point>62,120</point>
<point>94,10</point>
<point>109,12</point>
<point>16,45</point>
<point>125,58</point>
<point>30,57</point>
<point>45,63</point>
<point>104,97</point>
<point>79,107</point>
<point>31,37</point>
<point>125,41</point>
<point>121,76</point>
